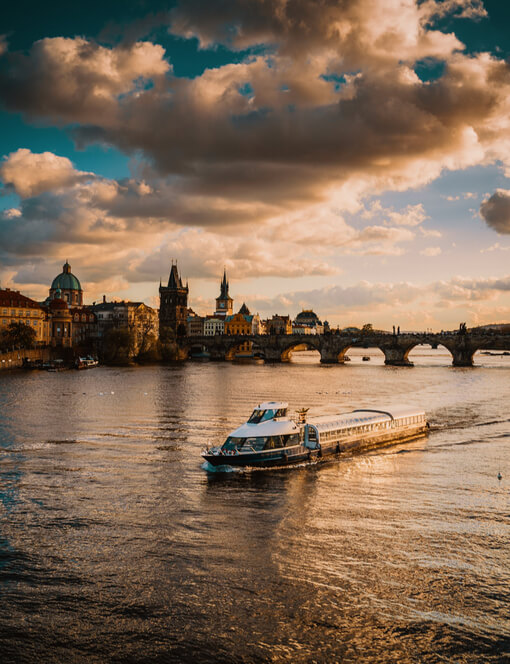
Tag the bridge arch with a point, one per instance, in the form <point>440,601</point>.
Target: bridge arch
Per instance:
<point>286,353</point>
<point>421,353</point>
<point>462,353</point>
<point>238,344</point>
<point>361,352</point>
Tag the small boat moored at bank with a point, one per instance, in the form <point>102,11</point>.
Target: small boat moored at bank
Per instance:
<point>87,362</point>
<point>271,438</point>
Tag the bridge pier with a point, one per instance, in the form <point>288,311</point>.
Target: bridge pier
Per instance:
<point>396,357</point>
<point>217,354</point>
<point>328,358</point>
<point>462,357</point>
<point>331,352</point>
<point>274,355</point>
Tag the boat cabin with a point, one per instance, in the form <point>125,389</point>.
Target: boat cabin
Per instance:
<point>363,422</point>
<point>268,410</point>
<point>267,428</point>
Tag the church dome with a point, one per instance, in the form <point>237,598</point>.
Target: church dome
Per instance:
<point>66,280</point>
<point>308,317</point>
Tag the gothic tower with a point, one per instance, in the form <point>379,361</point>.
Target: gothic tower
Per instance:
<point>224,303</point>
<point>173,305</point>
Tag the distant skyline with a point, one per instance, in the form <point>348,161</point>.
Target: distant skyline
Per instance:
<point>350,156</point>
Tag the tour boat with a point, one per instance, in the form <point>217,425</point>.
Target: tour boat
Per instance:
<point>270,437</point>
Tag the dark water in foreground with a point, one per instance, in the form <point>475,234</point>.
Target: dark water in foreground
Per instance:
<point>115,546</point>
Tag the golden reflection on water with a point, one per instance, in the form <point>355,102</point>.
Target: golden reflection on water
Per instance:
<point>113,533</point>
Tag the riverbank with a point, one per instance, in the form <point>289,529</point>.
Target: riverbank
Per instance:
<point>15,359</point>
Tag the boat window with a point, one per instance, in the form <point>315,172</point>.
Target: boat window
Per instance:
<point>312,434</point>
<point>256,444</point>
<point>274,442</point>
<point>293,439</point>
<point>233,443</point>
<point>264,415</point>
<point>256,416</point>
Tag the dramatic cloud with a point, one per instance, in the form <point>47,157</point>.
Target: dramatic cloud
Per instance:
<point>496,211</point>
<point>331,100</point>
<point>74,80</point>
<point>278,163</point>
<point>359,32</point>
<point>433,9</point>
<point>29,174</point>
<point>131,228</point>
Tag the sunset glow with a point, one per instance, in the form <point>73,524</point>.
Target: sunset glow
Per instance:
<point>352,157</point>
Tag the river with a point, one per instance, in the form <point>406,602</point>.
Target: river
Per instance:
<point>116,546</point>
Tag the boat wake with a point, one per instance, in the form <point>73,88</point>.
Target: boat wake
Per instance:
<point>209,468</point>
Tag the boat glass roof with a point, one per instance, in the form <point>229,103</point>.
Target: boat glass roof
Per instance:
<point>360,417</point>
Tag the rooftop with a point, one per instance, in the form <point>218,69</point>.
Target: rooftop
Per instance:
<point>11,298</point>
<point>66,280</point>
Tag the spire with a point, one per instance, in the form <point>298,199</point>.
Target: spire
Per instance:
<point>224,284</point>
<point>174,280</point>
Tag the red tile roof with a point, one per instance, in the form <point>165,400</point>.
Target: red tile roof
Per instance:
<point>10,298</point>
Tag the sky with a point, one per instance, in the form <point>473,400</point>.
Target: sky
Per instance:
<point>350,156</point>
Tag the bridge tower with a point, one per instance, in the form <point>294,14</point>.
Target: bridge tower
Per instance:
<point>173,306</point>
<point>224,303</point>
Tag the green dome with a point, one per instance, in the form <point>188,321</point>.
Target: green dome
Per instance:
<point>66,280</point>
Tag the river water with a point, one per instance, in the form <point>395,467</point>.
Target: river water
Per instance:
<point>116,546</point>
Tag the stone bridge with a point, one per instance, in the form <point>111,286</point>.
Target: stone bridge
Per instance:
<point>333,347</point>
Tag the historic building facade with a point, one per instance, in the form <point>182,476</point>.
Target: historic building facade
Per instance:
<point>195,325</point>
<point>241,323</point>
<point>173,307</point>
<point>213,325</point>
<point>137,317</point>
<point>17,308</point>
<point>71,323</point>
<point>61,323</point>
<point>278,325</point>
<point>307,322</point>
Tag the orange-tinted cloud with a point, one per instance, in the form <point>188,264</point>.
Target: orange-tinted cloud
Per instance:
<point>496,211</point>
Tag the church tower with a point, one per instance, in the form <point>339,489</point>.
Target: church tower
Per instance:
<point>224,303</point>
<point>173,304</point>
